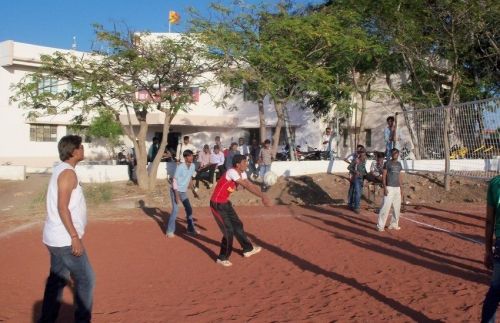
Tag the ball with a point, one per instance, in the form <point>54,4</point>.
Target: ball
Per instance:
<point>270,178</point>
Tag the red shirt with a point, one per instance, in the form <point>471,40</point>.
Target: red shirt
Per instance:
<point>226,185</point>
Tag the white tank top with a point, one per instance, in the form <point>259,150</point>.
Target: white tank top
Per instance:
<point>54,232</point>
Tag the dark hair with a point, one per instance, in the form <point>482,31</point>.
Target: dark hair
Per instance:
<point>394,150</point>
<point>360,146</point>
<point>186,137</point>
<point>267,141</point>
<point>216,147</point>
<point>233,144</point>
<point>155,139</point>
<point>206,146</point>
<point>390,118</point>
<point>328,128</point>
<point>187,152</point>
<point>67,145</point>
<point>238,159</point>
<point>380,154</point>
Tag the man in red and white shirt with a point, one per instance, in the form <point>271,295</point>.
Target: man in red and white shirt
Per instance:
<point>224,213</point>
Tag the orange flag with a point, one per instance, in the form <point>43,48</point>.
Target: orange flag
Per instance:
<point>173,17</point>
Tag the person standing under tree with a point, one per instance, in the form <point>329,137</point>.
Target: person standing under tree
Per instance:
<point>178,193</point>
<point>392,178</point>
<point>62,234</point>
<point>492,255</point>
<point>392,137</point>
<point>225,215</point>
<point>357,171</point>
<point>182,147</point>
<point>265,161</point>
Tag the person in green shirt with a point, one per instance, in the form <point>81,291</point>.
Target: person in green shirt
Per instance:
<point>492,256</point>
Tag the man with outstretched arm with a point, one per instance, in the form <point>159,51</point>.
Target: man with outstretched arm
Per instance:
<point>224,213</point>
<point>492,256</point>
<point>62,234</point>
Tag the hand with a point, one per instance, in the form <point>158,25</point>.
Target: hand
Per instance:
<point>488,260</point>
<point>76,247</point>
<point>266,201</point>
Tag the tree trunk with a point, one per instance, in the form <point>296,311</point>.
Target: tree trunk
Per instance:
<point>141,151</point>
<point>362,137</point>
<point>262,121</point>
<point>278,106</point>
<point>289,140</point>
<point>153,171</point>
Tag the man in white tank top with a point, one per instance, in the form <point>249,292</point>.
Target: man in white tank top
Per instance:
<point>62,234</point>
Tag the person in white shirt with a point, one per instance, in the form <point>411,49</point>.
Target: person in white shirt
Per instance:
<point>243,147</point>
<point>327,142</point>
<point>182,147</point>
<point>217,159</point>
<point>63,233</point>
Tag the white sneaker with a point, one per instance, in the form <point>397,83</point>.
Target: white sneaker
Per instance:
<point>380,229</point>
<point>394,227</point>
<point>210,185</point>
<point>225,263</point>
<point>256,249</point>
<point>170,235</point>
<point>196,189</point>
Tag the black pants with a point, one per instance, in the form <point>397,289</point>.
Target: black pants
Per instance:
<point>205,173</point>
<point>231,226</point>
<point>221,169</point>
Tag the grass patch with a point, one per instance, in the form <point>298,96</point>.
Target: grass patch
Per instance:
<point>39,199</point>
<point>96,194</point>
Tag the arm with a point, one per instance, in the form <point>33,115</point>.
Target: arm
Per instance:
<point>66,183</point>
<point>254,189</point>
<point>384,181</point>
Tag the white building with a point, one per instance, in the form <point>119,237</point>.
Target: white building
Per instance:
<point>34,142</point>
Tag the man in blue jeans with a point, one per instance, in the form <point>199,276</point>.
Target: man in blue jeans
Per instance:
<point>178,193</point>
<point>357,172</point>
<point>62,234</point>
<point>492,256</point>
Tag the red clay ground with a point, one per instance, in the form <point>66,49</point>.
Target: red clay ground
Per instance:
<point>319,263</point>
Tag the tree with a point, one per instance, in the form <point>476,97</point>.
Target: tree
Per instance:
<point>276,52</point>
<point>448,48</point>
<point>106,128</point>
<point>136,75</point>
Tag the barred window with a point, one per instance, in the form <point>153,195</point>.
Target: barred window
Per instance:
<point>47,85</point>
<point>43,132</point>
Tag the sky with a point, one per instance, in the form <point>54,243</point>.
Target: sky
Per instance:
<point>53,23</point>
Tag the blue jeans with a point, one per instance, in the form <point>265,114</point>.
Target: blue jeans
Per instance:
<point>388,149</point>
<point>175,210</point>
<point>263,169</point>
<point>63,265</point>
<point>355,191</point>
<point>493,296</point>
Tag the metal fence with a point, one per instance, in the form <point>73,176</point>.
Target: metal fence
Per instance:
<point>473,135</point>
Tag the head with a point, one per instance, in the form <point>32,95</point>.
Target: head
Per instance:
<point>234,146</point>
<point>362,155</point>
<point>380,157</point>
<point>360,149</point>
<point>328,131</point>
<point>217,138</point>
<point>186,140</point>
<point>390,121</point>
<point>206,149</point>
<point>241,141</point>
<point>395,153</point>
<point>156,140</point>
<point>255,142</point>
<point>70,147</point>
<point>216,149</point>
<point>188,156</point>
<point>267,143</point>
<point>240,163</point>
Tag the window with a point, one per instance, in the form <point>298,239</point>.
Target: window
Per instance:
<point>368,137</point>
<point>47,85</point>
<point>43,132</point>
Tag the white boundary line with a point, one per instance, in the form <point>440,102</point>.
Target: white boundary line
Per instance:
<point>443,230</point>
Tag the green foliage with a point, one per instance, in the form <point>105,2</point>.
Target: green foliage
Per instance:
<point>96,194</point>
